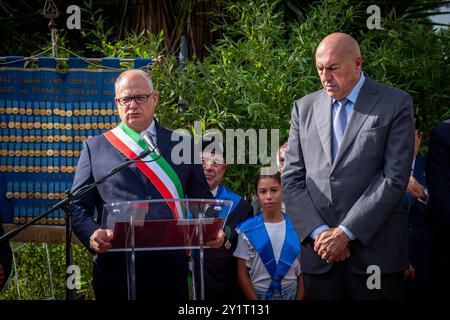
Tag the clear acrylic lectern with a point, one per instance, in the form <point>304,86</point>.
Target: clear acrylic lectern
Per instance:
<point>167,224</point>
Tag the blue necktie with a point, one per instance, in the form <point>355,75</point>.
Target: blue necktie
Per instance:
<point>339,124</point>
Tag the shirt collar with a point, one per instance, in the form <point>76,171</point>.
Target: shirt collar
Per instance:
<point>152,128</point>
<point>356,89</point>
<point>214,191</point>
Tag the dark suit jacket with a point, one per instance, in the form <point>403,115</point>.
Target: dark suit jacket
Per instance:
<point>418,216</point>
<point>220,264</point>
<point>159,274</point>
<point>438,172</point>
<point>438,179</point>
<point>420,240</point>
<point>5,258</point>
<point>363,188</point>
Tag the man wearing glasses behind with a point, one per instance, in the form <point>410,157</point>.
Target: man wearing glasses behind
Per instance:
<point>160,275</point>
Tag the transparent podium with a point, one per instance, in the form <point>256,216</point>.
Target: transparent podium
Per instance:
<point>164,224</point>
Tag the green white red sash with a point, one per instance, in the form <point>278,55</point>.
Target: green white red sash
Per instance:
<point>158,171</point>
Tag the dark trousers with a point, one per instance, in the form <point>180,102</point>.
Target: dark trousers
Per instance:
<point>441,260</point>
<point>160,275</point>
<point>341,283</point>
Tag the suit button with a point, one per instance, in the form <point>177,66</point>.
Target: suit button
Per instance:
<point>332,178</point>
<point>149,197</point>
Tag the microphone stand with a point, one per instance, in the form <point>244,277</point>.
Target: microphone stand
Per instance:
<point>66,205</point>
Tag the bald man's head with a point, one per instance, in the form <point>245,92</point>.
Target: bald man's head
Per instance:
<point>338,62</point>
<point>341,43</point>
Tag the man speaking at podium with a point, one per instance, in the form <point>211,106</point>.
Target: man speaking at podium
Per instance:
<point>160,275</point>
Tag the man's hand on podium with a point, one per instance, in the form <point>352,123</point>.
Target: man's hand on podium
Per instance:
<point>100,240</point>
<point>217,241</point>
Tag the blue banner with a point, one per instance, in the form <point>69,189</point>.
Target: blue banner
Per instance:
<point>45,115</point>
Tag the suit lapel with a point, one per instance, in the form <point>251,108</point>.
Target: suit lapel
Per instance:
<point>419,170</point>
<point>164,139</point>
<point>322,114</point>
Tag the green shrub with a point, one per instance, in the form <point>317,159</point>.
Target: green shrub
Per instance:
<point>252,76</point>
<point>32,280</point>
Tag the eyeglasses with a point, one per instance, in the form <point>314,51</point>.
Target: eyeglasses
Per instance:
<point>216,162</point>
<point>139,99</point>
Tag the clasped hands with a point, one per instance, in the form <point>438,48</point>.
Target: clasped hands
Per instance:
<point>332,245</point>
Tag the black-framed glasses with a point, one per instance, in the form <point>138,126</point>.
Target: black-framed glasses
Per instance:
<point>139,99</point>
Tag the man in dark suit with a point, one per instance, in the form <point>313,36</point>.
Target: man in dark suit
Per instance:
<point>419,275</point>
<point>346,168</point>
<point>438,179</point>
<point>5,260</point>
<point>220,264</point>
<point>159,274</point>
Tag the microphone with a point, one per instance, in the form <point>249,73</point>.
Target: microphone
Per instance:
<point>147,138</point>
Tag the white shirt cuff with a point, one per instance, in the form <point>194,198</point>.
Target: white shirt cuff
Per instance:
<point>425,202</point>
<point>347,232</point>
<point>318,230</point>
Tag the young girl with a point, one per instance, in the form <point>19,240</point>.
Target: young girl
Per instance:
<point>268,248</point>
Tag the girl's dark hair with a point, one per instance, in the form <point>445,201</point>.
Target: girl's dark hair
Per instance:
<point>266,173</point>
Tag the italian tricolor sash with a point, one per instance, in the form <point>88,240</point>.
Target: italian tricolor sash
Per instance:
<point>155,168</point>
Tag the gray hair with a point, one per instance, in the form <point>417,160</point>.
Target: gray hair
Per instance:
<point>139,71</point>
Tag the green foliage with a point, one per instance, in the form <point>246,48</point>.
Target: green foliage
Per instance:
<point>32,280</point>
<point>407,56</point>
<point>261,65</point>
<point>143,44</point>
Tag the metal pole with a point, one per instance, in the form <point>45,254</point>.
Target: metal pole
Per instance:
<point>54,35</point>
<point>182,56</point>
<point>51,12</point>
